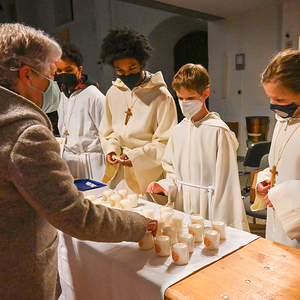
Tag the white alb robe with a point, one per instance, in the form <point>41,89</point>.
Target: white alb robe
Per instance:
<point>283,223</point>
<point>144,138</point>
<point>81,115</point>
<point>204,154</point>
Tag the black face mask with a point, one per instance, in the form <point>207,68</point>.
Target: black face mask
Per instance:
<point>66,80</point>
<point>131,79</point>
<point>284,111</point>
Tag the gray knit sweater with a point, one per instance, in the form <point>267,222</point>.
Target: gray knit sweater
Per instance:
<point>37,195</point>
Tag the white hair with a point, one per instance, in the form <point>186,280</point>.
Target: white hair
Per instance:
<point>24,45</point>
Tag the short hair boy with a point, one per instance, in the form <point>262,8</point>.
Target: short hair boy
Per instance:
<point>200,157</point>
<point>80,113</point>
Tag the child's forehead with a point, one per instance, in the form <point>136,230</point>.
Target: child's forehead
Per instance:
<point>185,93</point>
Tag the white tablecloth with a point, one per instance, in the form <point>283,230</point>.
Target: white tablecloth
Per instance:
<point>93,271</point>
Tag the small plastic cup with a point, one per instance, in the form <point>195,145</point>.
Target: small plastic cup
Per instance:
<point>162,246</point>
<point>211,239</point>
<point>146,243</point>
<point>180,253</point>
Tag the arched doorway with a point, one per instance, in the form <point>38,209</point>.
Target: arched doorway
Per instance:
<point>191,48</point>
<point>163,38</point>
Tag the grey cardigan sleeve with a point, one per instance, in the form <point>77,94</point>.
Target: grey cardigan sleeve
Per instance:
<point>44,180</point>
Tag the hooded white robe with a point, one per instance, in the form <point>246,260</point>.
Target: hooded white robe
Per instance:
<point>283,223</point>
<point>144,138</point>
<point>204,154</point>
<point>81,115</point>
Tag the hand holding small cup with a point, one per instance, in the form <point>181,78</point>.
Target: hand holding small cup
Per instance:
<point>110,159</point>
<point>126,160</point>
<point>151,225</point>
<point>154,187</point>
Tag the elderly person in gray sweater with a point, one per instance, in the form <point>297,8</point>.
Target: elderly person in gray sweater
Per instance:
<point>37,194</point>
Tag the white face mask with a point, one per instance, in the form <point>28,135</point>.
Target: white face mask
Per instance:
<point>190,107</point>
<point>51,97</point>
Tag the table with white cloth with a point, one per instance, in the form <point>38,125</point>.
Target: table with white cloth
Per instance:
<point>91,270</point>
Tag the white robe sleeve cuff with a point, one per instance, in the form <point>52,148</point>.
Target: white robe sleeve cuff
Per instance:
<point>285,199</point>
<point>169,185</point>
<point>259,202</point>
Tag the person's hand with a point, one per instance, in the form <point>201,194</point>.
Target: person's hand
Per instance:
<point>268,201</point>
<point>154,187</point>
<point>127,162</point>
<point>264,186</point>
<point>151,225</point>
<point>111,160</point>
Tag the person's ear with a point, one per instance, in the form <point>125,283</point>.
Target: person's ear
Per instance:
<point>297,100</point>
<point>206,93</point>
<point>25,74</point>
<point>79,72</point>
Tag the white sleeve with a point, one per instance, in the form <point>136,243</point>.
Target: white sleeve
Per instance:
<point>286,201</point>
<point>259,202</point>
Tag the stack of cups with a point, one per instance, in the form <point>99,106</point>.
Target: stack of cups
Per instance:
<point>134,200</point>
<point>197,219</point>
<point>160,226</point>
<point>220,226</point>
<point>166,212</point>
<point>187,238</point>
<point>177,222</point>
<point>197,231</point>
<point>171,232</point>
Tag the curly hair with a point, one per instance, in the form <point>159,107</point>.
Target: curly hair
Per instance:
<point>24,45</point>
<point>284,69</point>
<point>191,77</point>
<point>72,53</point>
<point>125,43</point>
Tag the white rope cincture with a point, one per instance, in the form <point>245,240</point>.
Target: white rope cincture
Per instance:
<point>210,190</point>
<point>85,160</point>
<point>89,165</point>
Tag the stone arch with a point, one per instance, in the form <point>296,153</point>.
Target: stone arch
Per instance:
<point>191,48</point>
<point>163,38</point>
